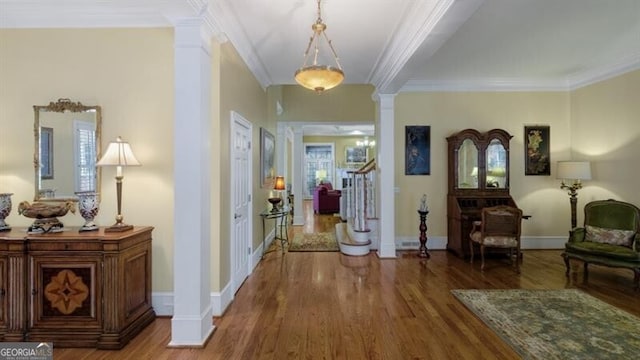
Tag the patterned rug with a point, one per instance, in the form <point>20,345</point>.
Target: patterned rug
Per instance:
<point>556,324</point>
<point>325,241</point>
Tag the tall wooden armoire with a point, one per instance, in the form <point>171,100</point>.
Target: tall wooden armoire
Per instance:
<point>478,177</point>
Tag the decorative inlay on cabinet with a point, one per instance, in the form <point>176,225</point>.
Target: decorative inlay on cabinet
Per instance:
<point>76,289</point>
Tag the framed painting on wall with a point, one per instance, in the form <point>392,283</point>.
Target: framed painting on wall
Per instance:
<point>417,149</point>
<point>267,158</point>
<point>536,141</point>
<point>355,154</point>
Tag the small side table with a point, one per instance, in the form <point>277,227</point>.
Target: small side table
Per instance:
<point>281,233</point>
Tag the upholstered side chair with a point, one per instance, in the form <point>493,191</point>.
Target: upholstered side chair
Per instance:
<point>499,228</point>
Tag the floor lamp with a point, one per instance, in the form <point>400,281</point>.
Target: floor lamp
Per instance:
<point>118,154</point>
<point>573,172</point>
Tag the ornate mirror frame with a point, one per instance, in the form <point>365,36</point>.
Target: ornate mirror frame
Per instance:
<point>61,106</point>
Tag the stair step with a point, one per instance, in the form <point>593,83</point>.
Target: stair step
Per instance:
<point>347,245</point>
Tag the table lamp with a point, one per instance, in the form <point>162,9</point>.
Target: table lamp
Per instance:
<point>574,171</point>
<point>279,186</point>
<point>118,154</point>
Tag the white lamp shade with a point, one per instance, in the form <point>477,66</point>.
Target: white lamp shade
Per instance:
<point>118,153</point>
<point>574,170</point>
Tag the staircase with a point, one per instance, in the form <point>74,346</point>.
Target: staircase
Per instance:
<point>358,234</point>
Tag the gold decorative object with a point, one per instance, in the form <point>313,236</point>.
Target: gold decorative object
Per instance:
<point>319,77</point>
<point>66,292</point>
<point>45,215</point>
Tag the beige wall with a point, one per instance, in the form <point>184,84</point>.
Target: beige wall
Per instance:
<point>340,144</point>
<point>605,129</point>
<point>346,103</point>
<point>129,72</point>
<point>240,92</point>
<point>597,123</point>
<point>448,113</point>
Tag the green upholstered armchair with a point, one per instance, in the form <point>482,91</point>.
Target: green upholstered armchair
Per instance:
<point>610,237</point>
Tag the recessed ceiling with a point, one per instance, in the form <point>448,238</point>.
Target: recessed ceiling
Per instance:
<point>393,44</point>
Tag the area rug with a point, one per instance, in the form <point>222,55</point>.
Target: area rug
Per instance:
<point>324,241</point>
<point>556,324</point>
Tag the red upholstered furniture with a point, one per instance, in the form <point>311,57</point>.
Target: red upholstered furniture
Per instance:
<point>325,199</point>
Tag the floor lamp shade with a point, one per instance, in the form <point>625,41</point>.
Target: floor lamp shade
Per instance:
<point>574,170</point>
<point>118,154</point>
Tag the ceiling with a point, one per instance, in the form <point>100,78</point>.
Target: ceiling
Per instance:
<point>395,45</point>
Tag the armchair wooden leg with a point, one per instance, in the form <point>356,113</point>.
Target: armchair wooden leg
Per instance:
<point>471,250</point>
<point>518,260</point>
<point>566,264</point>
<point>482,257</point>
<point>586,270</point>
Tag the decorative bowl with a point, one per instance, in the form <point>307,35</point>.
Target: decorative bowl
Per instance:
<point>274,202</point>
<point>45,215</point>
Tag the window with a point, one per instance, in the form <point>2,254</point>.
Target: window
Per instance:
<point>84,145</point>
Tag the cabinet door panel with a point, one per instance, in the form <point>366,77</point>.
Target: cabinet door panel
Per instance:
<point>65,292</point>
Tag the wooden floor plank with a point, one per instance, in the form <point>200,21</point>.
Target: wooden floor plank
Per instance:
<point>325,305</point>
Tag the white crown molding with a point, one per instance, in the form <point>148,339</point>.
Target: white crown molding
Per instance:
<point>592,76</point>
<point>570,83</point>
<point>417,23</point>
<point>224,15</point>
<point>486,84</point>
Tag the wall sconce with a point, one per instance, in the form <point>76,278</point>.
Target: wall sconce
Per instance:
<point>118,154</point>
<point>575,171</point>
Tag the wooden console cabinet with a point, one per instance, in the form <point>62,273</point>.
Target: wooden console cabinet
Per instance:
<point>75,289</point>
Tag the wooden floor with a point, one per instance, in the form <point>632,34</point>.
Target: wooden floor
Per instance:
<point>305,305</point>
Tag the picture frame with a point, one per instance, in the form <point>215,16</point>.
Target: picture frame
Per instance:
<point>536,150</point>
<point>267,158</point>
<point>355,155</point>
<point>417,150</point>
<point>46,153</point>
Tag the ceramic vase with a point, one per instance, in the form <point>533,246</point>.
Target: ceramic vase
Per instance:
<point>88,206</point>
<point>5,209</point>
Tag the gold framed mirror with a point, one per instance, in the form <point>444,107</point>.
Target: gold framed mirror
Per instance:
<point>67,144</point>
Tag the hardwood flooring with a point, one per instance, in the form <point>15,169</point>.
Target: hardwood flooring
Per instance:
<point>326,305</point>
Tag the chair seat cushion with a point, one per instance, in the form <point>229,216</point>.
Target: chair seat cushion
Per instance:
<point>501,241</point>
<point>605,250</point>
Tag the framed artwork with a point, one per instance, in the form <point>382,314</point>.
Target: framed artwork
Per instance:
<point>46,153</point>
<point>536,142</point>
<point>417,150</point>
<point>267,158</point>
<point>355,154</point>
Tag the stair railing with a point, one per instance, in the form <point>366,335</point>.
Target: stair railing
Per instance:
<point>361,202</point>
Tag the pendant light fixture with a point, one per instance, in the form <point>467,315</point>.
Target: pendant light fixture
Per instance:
<point>319,77</point>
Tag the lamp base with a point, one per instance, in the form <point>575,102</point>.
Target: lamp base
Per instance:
<point>118,227</point>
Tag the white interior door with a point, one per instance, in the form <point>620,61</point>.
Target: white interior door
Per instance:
<point>241,176</point>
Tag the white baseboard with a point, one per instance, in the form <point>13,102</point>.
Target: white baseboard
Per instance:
<point>440,242</point>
